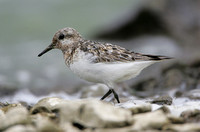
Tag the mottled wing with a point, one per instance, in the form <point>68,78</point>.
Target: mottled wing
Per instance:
<point>106,52</point>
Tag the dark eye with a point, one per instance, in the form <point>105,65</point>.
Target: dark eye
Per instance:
<point>61,36</point>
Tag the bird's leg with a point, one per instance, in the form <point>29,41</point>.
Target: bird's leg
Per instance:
<point>107,94</point>
<point>115,95</point>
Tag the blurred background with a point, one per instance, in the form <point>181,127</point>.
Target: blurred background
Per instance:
<point>165,27</point>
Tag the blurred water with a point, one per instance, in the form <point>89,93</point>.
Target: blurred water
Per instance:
<point>27,27</point>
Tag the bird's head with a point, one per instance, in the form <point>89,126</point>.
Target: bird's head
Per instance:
<point>63,39</point>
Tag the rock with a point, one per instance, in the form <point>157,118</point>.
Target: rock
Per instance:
<point>68,126</point>
<point>70,110</point>
<point>44,124</point>
<point>95,114</point>
<point>7,107</point>
<point>123,129</point>
<point>191,115</point>
<point>14,116</point>
<point>97,90</point>
<point>165,109</point>
<point>140,109</point>
<point>47,105</point>
<point>190,127</point>
<point>21,128</point>
<point>150,120</point>
<point>173,77</point>
<point>162,100</point>
<point>2,115</point>
<point>175,119</point>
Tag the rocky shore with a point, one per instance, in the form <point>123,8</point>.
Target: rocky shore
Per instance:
<point>90,115</point>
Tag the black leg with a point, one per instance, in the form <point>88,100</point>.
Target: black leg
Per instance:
<point>115,95</point>
<point>107,94</point>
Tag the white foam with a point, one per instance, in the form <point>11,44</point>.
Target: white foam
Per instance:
<point>25,95</point>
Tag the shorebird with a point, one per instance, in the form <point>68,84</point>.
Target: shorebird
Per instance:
<point>99,62</point>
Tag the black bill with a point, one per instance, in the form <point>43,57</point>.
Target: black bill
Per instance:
<point>50,47</point>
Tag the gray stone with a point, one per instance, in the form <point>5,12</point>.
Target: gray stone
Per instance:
<point>162,100</point>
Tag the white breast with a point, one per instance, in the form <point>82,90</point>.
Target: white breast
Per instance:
<point>106,72</point>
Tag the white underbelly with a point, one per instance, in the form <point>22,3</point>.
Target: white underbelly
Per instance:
<point>108,72</point>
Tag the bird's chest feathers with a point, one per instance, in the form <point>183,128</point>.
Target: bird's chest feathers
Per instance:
<point>82,65</point>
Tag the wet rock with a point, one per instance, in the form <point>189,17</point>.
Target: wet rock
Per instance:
<point>150,120</point>
<point>140,109</point>
<point>178,94</point>
<point>97,90</point>
<point>95,114</point>
<point>162,100</point>
<point>14,116</point>
<point>183,127</point>
<point>192,116</point>
<point>21,128</point>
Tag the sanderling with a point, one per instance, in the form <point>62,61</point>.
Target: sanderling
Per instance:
<point>99,62</point>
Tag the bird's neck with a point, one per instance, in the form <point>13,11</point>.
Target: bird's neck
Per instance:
<point>69,51</point>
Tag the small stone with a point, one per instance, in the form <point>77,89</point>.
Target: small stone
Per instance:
<point>6,107</point>
<point>14,116</point>
<point>123,129</point>
<point>175,119</point>
<point>173,78</point>
<point>140,109</point>
<point>191,116</point>
<point>150,120</point>
<point>68,126</point>
<point>21,128</point>
<point>190,127</point>
<point>47,105</point>
<point>95,114</point>
<point>165,109</point>
<point>162,100</point>
<point>44,124</point>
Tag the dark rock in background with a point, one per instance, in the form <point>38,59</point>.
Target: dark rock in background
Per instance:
<point>180,77</point>
<point>146,21</point>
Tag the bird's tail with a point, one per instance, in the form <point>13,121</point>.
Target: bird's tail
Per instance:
<point>151,57</point>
